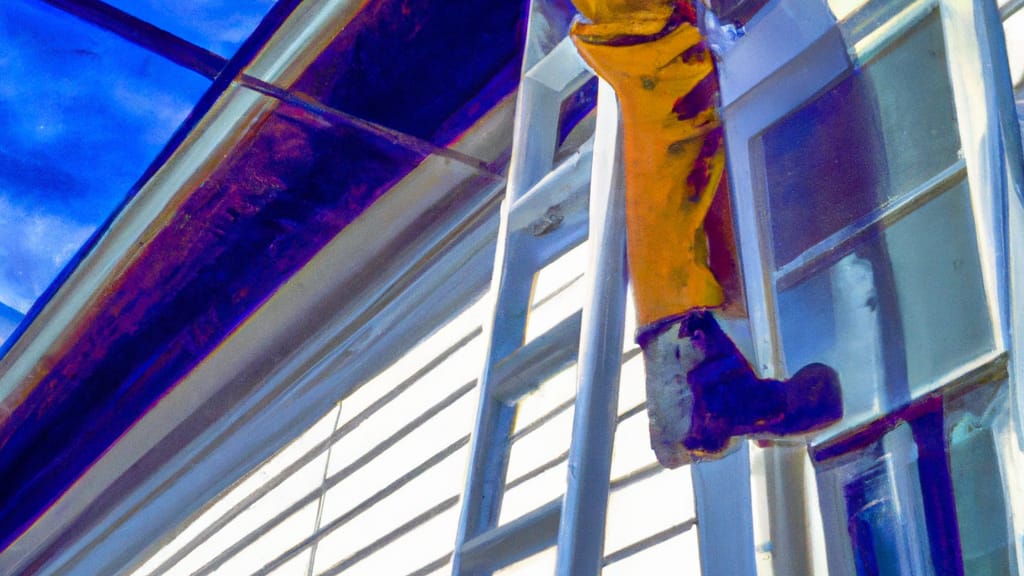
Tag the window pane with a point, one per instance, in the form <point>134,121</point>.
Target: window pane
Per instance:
<point>899,313</point>
<point>878,491</point>
<point>982,512</point>
<point>873,511</point>
<point>863,142</point>
<point>937,277</point>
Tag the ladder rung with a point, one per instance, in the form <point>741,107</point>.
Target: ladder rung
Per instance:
<point>565,187</point>
<point>526,368</point>
<point>561,70</point>
<point>514,541</point>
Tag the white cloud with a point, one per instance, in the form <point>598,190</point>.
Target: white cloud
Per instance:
<point>162,112</point>
<point>34,247</point>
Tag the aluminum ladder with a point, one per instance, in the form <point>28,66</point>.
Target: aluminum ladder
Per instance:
<point>545,213</point>
<point>547,210</point>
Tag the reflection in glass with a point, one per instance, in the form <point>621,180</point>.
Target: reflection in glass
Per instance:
<point>973,423</point>
<point>937,279</point>
<point>872,506</point>
<point>927,267</point>
<point>863,142</point>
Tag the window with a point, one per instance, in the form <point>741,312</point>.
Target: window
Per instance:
<point>875,228</point>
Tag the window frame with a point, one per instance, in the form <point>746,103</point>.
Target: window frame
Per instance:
<point>806,64</point>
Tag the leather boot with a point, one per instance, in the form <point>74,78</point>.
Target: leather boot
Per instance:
<point>702,394</point>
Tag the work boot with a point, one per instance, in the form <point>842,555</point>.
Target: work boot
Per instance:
<point>702,394</point>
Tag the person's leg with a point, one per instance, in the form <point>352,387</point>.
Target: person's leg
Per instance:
<point>701,392</point>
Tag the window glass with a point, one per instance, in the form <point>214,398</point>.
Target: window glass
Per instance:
<point>862,143</point>
<point>873,491</point>
<point>872,507</point>
<point>937,279</point>
<point>972,424</point>
<point>900,312</point>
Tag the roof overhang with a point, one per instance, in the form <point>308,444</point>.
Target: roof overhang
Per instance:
<point>276,246</point>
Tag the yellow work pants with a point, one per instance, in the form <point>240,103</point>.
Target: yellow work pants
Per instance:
<point>673,149</point>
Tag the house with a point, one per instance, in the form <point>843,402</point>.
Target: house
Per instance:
<point>266,358</point>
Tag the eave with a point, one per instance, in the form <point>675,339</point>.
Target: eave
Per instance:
<point>270,237</point>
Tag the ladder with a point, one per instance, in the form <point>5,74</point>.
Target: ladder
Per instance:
<point>549,209</point>
<point>545,213</point>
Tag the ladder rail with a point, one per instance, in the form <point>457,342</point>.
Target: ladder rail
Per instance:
<point>535,133</point>
<point>548,209</point>
<point>481,500</point>
<point>581,531</point>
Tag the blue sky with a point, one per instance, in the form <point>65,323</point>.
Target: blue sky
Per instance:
<point>82,114</point>
<point>217,25</point>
